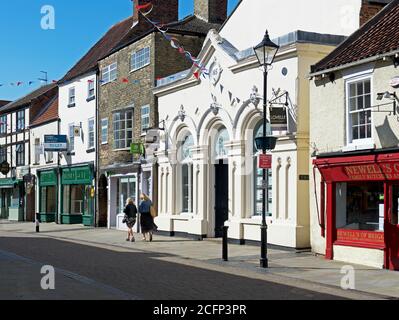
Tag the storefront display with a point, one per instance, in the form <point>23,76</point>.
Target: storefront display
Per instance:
<point>77,196</point>
<point>11,191</point>
<point>362,202</point>
<point>48,183</point>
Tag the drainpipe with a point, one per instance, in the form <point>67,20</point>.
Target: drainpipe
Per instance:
<point>96,218</point>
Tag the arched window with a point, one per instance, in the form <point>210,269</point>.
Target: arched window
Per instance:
<point>187,174</point>
<point>258,177</point>
<point>220,147</point>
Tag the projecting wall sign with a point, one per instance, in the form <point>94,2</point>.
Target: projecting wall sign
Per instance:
<point>394,83</point>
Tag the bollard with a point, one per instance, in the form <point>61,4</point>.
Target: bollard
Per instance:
<point>37,223</point>
<point>225,243</point>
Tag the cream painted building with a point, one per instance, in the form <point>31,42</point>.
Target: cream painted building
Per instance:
<point>208,174</point>
<point>354,135</point>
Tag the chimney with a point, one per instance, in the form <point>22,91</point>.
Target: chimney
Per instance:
<point>164,11</point>
<point>213,11</point>
<point>370,9</point>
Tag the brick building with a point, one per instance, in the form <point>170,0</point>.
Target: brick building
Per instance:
<point>127,108</point>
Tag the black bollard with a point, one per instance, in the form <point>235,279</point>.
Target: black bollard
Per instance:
<point>225,243</point>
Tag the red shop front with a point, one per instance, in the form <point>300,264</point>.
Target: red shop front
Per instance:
<point>360,200</point>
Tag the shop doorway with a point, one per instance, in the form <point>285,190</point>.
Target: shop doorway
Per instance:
<point>221,197</point>
<point>392,228</point>
<point>5,203</point>
<point>103,202</point>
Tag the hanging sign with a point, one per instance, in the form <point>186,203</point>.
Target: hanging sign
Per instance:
<point>278,119</point>
<point>137,149</point>
<point>5,168</point>
<point>265,161</point>
<point>55,143</point>
<point>394,82</point>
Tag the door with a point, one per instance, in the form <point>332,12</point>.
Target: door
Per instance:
<point>392,228</point>
<point>5,203</point>
<point>221,197</point>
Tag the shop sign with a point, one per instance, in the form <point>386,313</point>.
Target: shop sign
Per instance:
<point>48,178</point>
<point>361,236</point>
<point>7,182</point>
<point>55,143</point>
<point>373,171</point>
<point>278,119</point>
<point>137,149</point>
<point>265,161</point>
<point>81,175</point>
<point>5,168</point>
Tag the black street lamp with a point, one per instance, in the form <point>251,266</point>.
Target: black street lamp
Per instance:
<point>265,52</point>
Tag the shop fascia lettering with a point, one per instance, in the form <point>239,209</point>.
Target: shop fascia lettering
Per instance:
<point>385,170</point>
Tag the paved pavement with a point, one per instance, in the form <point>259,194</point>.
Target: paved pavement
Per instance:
<point>99,264</point>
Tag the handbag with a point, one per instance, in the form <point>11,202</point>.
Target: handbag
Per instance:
<point>154,213</point>
<point>125,219</point>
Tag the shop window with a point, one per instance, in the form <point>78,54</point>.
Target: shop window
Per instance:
<point>360,206</point>
<point>15,198</point>
<point>77,199</point>
<point>48,201</point>
<point>395,205</point>
<point>66,205</point>
<point>258,178</point>
<point>127,188</point>
<point>359,107</point>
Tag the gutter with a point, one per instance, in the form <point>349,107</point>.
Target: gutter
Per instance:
<point>356,63</point>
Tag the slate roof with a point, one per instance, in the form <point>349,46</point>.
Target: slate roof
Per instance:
<point>192,25</point>
<point>100,49</point>
<point>4,102</point>
<point>378,36</point>
<point>28,98</point>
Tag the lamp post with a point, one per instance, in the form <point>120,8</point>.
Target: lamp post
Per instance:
<point>265,52</point>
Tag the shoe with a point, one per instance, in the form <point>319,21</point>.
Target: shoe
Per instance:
<point>151,238</point>
<point>127,240</point>
<point>133,240</point>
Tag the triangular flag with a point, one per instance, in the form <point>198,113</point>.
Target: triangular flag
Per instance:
<point>31,82</point>
<point>230,96</point>
<point>238,100</point>
<point>221,89</point>
<point>19,83</point>
<point>196,75</point>
<point>54,81</point>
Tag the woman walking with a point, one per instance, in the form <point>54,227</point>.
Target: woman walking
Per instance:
<point>147,221</point>
<point>130,212</point>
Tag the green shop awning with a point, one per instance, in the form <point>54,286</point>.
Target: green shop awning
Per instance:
<point>8,183</point>
<point>78,175</point>
<point>48,178</point>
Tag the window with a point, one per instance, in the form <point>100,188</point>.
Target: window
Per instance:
<point>71,137</point>
<point>71,99</point>
<point>104,131</point>
<point>126,188</point>
<point>360,206</point>
<point>20,154</point>
<point>140,59</point>
<point>145,117</point>
<point>3,124</point>
<point>90,89</point>
<point>123,129</point>
<point>187,174</point>
<point>3,154</point>
<point>359,106</point>
<point>258,178</point>
<point>20,120</point>
<point>221,139</point>
<point>37,151</point>
<point>91,143</point>
<point>48,203</point>
<point>109,73</point>
<point>49,157</point>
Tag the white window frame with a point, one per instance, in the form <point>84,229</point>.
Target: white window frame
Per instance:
<point>71,137</point>
<point>126,129</point>
<point>104,127</point>
<point>140,59</point>
<point>366,143</point>
<point>37,151</point>
<point>106,73</point>
<point>49,157</point>
<point>20,123</point>
<point>71,97</point>
<point>145,117</point>
<point>89,132</point>
<point>91,83</point>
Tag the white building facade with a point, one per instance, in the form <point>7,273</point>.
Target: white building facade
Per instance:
<point>77,111</point>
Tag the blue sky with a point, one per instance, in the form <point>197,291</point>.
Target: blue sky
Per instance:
<point>27,49</point>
